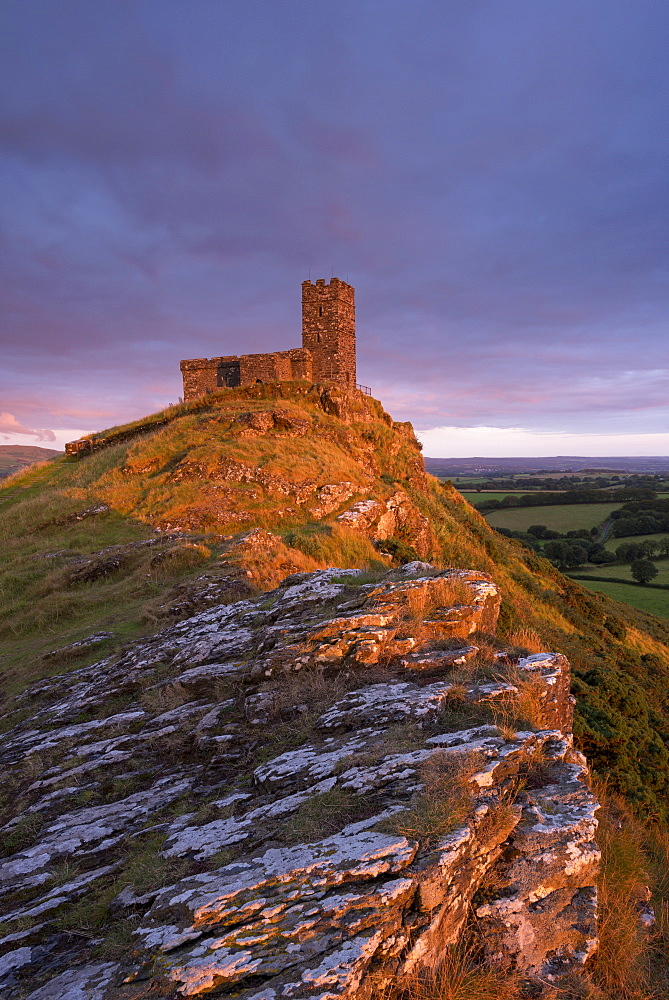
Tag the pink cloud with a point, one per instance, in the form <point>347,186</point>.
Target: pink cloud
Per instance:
<point>10,425</point>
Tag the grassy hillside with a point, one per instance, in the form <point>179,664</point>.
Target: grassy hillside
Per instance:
<point>77,559</point>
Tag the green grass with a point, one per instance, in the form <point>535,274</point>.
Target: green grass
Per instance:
<point>655,602</point>
<point>42,609</point>
<point>623,571</point>
<point>558,517</point>
<point>612,543</point>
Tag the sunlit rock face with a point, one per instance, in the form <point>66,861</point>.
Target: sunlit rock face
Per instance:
<point>290,796</point>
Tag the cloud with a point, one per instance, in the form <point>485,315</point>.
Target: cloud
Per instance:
<point>10,425</point>
<point>168,184</point>
<point>521,442</point>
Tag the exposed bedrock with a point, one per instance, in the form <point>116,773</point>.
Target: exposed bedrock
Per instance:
<point>284,797</point>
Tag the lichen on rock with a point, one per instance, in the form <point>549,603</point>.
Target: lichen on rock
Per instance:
<point>299,793</point>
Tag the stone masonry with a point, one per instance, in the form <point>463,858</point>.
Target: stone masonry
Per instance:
<point>327,352</point>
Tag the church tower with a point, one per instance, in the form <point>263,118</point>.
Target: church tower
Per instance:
<point>328,329</point>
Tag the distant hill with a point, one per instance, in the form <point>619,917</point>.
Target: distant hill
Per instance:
<point>17,456</point>
<point>560,463</point>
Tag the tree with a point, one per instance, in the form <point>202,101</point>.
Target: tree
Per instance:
<point>629,551</point>
<point>601,556</point>
<point>559,554</point>
<point>664,546</point>
<point>565,556</point>
<point>643,570</point>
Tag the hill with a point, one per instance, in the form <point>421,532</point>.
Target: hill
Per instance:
<point>561,463</point>
<point>171,519</point>
<point>14,457</point>
<point>334,481</point>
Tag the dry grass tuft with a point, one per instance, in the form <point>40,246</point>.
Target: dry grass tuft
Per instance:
<point>621,967</point>
<point>175,560</point>
<point>525,709</point>
<point>326,814</point>
<point>526,640</point>
<point>443,592</point>
<point>164,699</point>
<point>307,691</point>
<point>296,701</point>
<point>445,801</point>
<point>457,977</point>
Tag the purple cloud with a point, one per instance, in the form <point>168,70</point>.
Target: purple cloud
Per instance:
<point>492,180</point>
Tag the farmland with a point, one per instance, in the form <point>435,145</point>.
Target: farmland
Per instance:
<point>644,598</point>
<point>623,572</point>
<point>558,517</point>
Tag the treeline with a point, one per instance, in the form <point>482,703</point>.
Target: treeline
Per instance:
<point>579,548</point>
<point>646,517</point>
<point>630,493</point>
<point>551,483</point>
<point>565,551</point>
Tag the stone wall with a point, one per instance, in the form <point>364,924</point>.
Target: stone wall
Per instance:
<point>327,352</point>
<point>204,375</point>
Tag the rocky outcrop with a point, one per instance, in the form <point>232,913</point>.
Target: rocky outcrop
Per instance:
<point>286,796</point>
<point>396,517</point>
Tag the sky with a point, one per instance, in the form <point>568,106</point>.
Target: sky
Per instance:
<point>490,176</point>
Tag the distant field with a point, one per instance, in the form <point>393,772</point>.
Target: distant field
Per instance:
<point>623,571</point>
<point>559,517</point>
<point>613,543</point>
<point>644,598</point>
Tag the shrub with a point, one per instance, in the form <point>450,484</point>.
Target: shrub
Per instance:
<point>399,550</point>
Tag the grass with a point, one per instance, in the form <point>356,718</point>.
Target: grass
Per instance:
<point>558,517</point>
<point>622,570</point>
<point>201,457</point>
<point>458,976</point>
<point>631,964</point>
<point>43,607</point>
<point>326,814</point>
<point>655,602</point>
<point>445,801</point>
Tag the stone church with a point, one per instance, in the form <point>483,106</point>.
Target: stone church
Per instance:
<point>327,352</point>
